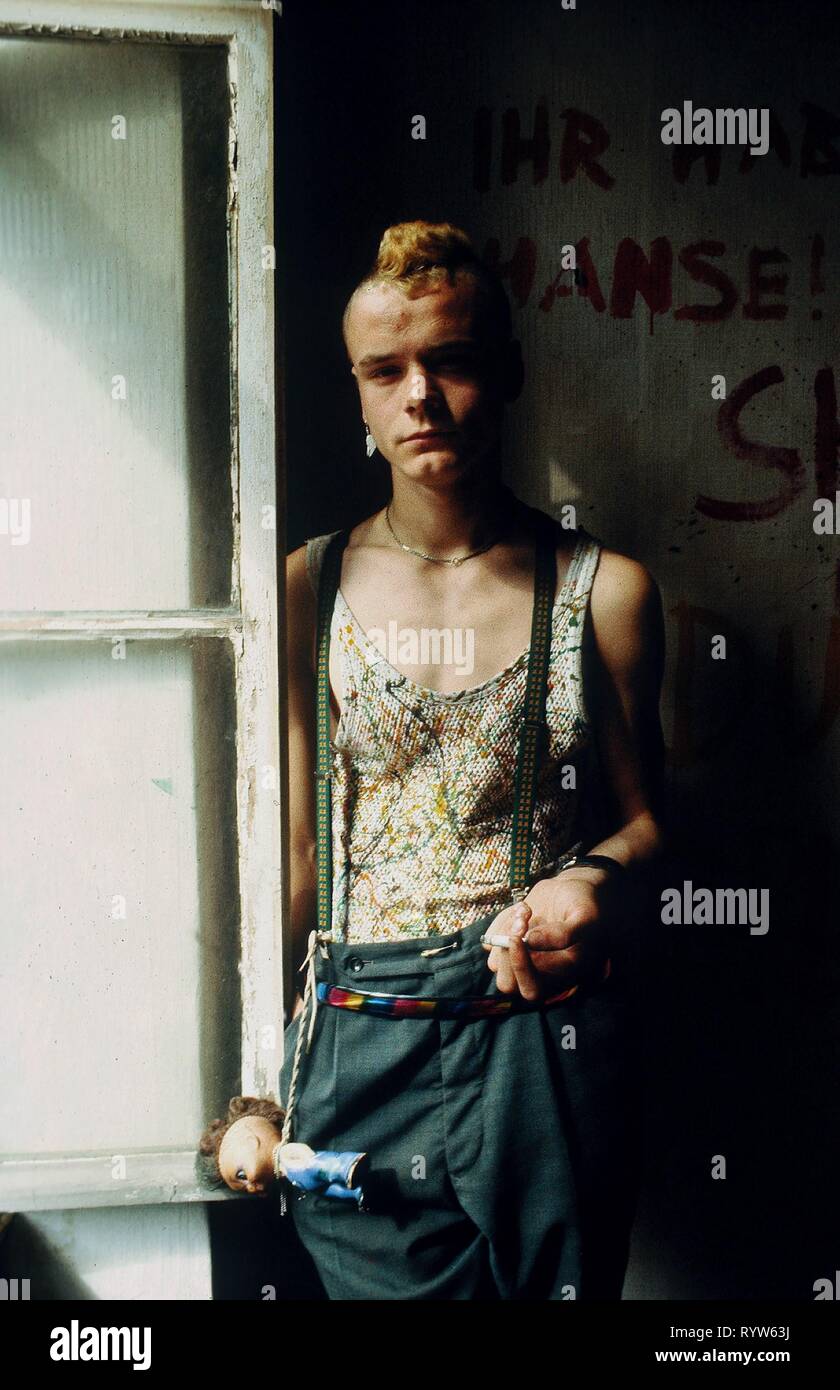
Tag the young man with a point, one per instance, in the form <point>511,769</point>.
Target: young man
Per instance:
<point>506,1145</point>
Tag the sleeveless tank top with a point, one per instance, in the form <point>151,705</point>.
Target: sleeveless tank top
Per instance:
<point>422,792</point>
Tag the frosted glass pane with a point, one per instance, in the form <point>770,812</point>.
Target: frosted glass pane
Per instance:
<point>119,904</point>
<point>114,342</point>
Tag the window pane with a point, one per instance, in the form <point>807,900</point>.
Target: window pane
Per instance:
<point>114,350</point>
<point>119,903</point>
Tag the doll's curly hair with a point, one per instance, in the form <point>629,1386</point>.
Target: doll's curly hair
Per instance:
<point>211,1140</point>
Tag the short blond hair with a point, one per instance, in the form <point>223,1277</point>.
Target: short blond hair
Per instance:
<point>416,256</point>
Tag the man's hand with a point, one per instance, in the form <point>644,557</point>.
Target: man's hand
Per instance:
<point>564,922</point>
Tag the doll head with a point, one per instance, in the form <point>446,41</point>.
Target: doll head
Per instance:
<point>241,1146</point>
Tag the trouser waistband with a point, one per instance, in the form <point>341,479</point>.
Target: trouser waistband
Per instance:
<point>443,975</point>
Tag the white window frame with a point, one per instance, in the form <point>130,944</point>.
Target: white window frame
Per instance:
<point>251,624</point>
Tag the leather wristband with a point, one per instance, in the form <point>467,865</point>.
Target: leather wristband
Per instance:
<point>595,861</point>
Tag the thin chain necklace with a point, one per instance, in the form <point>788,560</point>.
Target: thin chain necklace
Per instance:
<point>436,559</point>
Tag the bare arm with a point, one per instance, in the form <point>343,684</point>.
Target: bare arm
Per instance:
<point>626,653</point>
<point>624,657</point>
<point>301,611</point>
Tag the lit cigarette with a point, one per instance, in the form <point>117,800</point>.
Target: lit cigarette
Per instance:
<point>505,941</point>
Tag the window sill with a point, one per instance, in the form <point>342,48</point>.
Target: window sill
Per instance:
<point>86,1180</point>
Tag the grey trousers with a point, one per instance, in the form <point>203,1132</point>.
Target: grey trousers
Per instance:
<point>504,1152</point>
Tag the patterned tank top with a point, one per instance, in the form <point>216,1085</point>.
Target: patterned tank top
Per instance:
<point>423,782</point>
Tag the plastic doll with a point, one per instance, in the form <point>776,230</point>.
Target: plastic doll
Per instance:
<point>248,1155</point>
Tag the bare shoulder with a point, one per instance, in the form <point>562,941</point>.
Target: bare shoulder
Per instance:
<point>296,562</point>
<point>298,586</point>
<point>360,534</point>
<point>626,610</point>
<point>302,602</point>
<point>301,610</point>
<point>622,583</point>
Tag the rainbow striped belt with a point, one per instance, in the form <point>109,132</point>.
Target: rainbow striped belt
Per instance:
<point>409,1006</point>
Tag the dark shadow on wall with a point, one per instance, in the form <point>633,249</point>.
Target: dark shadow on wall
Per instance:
<point>51,1275</point>
<point>739,1035</point>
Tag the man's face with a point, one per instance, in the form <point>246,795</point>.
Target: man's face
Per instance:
<point>425,366</point>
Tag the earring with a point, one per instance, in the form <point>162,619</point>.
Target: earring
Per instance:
<point>370,442</point>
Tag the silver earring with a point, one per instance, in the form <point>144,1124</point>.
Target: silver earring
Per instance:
<point>370,442</point>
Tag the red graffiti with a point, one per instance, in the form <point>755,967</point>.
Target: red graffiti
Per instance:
<point>516,151</point>
<point>769,456</point>
<point>647,274</point>
<point>706,274</point>
<point>519,271</point>
<point>585,138</point>
<point>588,285</point>
<point>765,284</point>
<point>779,144</point>
<point>635,273</point>
<point>774,456</point>
<point>684,157</point>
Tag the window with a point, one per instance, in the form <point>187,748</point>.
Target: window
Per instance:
<point>140,860</point>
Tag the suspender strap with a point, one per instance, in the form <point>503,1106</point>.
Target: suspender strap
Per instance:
<point>327,589</point>
<point>533,739</point>
<point>533,735</point>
